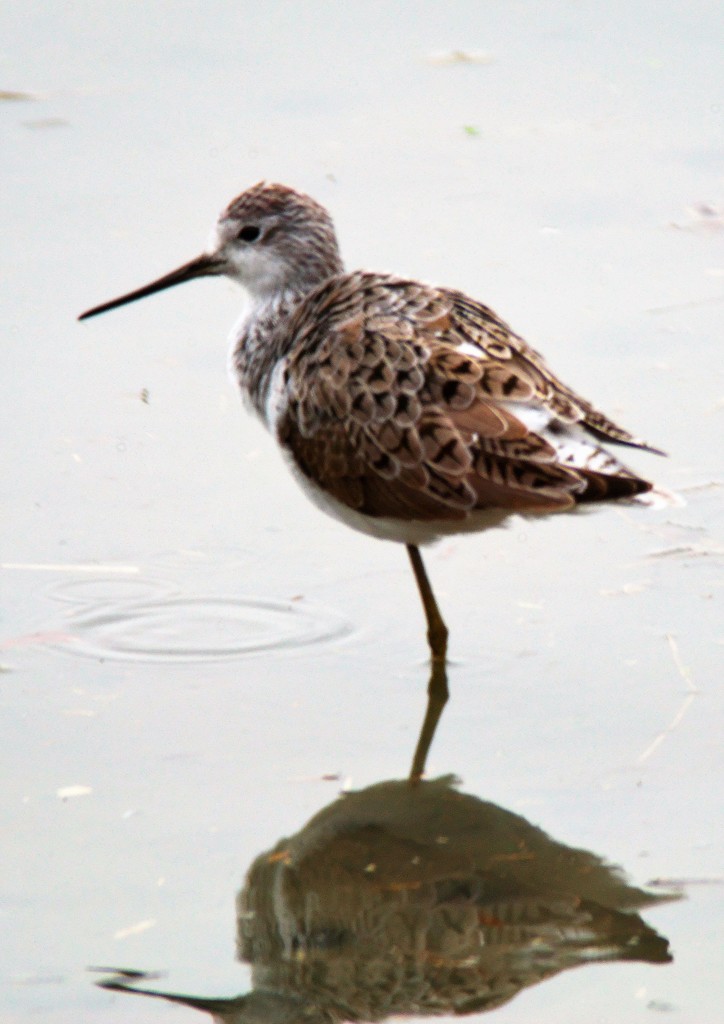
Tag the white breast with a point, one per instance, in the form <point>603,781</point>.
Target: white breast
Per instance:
<point>276,397</point>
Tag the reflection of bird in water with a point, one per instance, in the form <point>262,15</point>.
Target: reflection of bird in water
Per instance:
<point>420,900</point>
<point>406,411</point>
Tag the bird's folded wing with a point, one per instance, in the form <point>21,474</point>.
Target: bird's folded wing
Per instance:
<point>389,414</point>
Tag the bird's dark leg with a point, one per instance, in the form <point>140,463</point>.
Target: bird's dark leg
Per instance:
<point>436,629</point>
<point>437,691</point>
<point>437,695</point>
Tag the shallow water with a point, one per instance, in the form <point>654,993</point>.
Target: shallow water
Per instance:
<point>195,662</point>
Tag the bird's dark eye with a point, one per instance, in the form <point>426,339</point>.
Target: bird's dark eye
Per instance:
<point>249,233</point>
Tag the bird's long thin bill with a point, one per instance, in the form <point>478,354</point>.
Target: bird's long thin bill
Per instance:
<point>202,266</point>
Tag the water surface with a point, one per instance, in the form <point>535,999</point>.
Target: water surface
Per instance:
<point>195,662</point>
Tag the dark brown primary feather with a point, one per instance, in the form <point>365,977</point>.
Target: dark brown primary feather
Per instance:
<point>477,324</point>
<point>389,416</point>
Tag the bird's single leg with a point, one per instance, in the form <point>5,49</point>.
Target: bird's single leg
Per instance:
<point>436,629</point>
<point>437,695</point>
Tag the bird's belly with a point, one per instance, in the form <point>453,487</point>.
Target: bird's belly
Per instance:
<point>403,531</point>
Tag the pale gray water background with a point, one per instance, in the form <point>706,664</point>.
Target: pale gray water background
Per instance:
<point>148,544</point>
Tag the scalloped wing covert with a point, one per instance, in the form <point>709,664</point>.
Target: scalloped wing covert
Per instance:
<point>407,401</point>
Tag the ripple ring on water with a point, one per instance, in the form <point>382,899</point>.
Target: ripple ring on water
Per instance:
<point>200,629</point>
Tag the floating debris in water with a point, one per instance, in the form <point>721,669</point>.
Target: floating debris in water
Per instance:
<point>448,58</point>
<point>135,929</point>
<point>698,550</point>
<point>46,122</point>
<point>626,589</point>
<point>702,217</point>
<point>16,97</point>
<point>68,792</point>
<point>70,567</point>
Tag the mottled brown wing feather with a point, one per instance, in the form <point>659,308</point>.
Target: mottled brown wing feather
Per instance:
<point>474,323</point>
<point>388,417</point>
